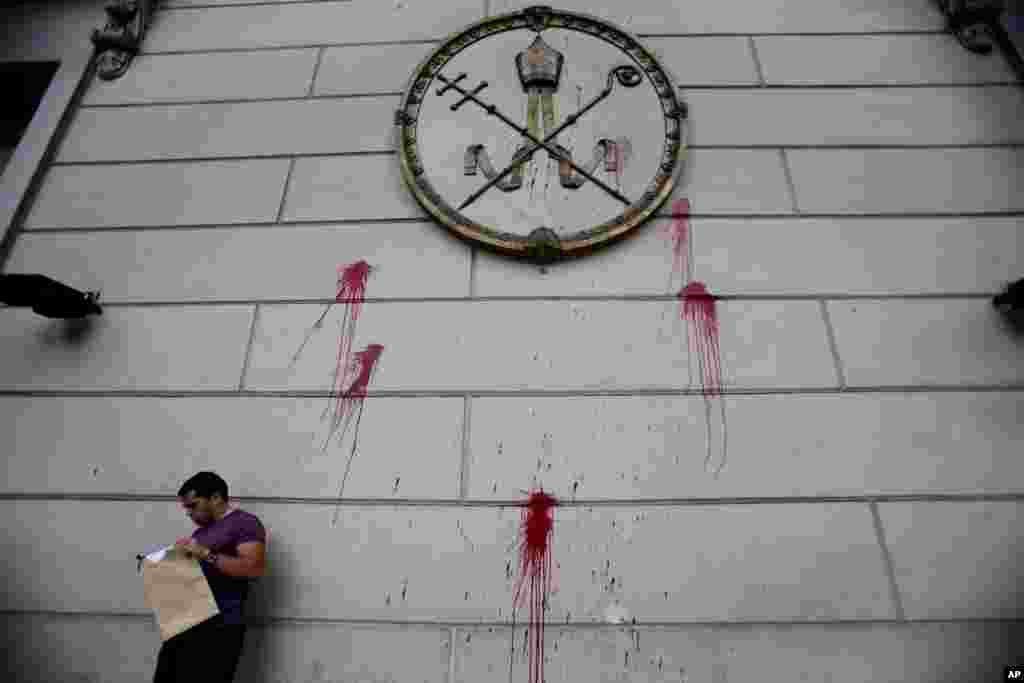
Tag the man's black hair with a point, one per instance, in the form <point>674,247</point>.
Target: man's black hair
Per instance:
<point>205,484</point>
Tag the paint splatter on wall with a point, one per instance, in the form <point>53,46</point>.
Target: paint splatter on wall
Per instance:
<point>351,291</point>
<point>353,372</point>
<point>699,311</point>
<point>537,524</point>
<point>359,372</point>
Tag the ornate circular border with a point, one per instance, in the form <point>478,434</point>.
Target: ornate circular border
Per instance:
<point>542,245</point>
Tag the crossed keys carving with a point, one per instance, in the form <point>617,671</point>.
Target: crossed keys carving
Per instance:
<point>627,75</point>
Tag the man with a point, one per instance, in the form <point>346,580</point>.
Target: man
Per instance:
<point>230,545</point>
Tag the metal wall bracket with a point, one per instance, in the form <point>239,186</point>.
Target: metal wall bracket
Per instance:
<point>118,42</point>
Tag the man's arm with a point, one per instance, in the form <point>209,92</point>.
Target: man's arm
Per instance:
<point>250,563</point>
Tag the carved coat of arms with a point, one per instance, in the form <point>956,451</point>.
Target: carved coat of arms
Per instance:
<point>541,133</point>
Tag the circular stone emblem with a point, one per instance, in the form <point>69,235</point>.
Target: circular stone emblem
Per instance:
<point>541,133</point>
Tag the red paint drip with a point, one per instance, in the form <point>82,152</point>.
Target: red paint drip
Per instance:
<point>362,366</point>
<point>698,309</point>
<point>612,161</point>
<point>351,290</point>
<point>535,573</point>
<point>351,293</point>
<point>679,233</point>
<point>357,375</point>
<point>617,153</point>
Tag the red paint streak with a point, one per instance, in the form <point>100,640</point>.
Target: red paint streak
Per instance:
<point>357,373</point>
<point>617,154</point>
<point>698,309</point>
<point>351,293</point>
<point>612,161</point>
<point>362,366</point>
<point>535,572</point>
<point>351,290</point>
<point>679,232</point>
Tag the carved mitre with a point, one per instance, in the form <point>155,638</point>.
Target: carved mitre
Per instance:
<point>540,66</point>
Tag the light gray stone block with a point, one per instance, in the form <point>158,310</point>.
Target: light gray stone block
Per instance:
<point>126,348</point>
<point>784,256</point>
<point>925,342</point>
<point>491,345</point>
<point>778,16</point>
<point>349,188</point>
<point>369,69</point>
<point>243,265</point>
<point>634,447</point>
<point>908,180</point>
<point>322,126</point>
<point>732,181</point>
<point>875,60</point>
<point>957,560</point>
<point>379,69</point>
<point>77,648</point>
<point>847,653</point>
<point>863,116</point>
<point>337,652</point>
<point>763,562</point>
<point>705,60</point>
<point>223,76</point>
<point>211,192</point>
<point>172,438</point>
<point>858,255</point>
<point>314,23</point>
<point>53,647</point>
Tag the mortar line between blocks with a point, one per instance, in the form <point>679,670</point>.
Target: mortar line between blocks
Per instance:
<point>741,626</point>
<point>833,345</point>
<point>937,32</point>
<point>316,70</point>
<point>757,61</point>
<point>227,156</point>
<point>284,194</point>
<point>789,180</point>
<point>624,392</point>
<point>248,347</point>
<point>467,402</point>
<point>434,503</point>
<point>894,590</point>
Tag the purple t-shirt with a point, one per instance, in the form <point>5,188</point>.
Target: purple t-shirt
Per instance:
<point>224,537</point>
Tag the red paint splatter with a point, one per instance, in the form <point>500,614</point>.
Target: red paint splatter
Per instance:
<point>611,160</point>
<point>359,371</point>
<point>698,309</point>
<point>679,232</point>
<point>617,155</point>
<point>535,574</point>
<point>351,291</point>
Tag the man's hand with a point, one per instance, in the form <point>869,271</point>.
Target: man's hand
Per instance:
<point>192,549</point>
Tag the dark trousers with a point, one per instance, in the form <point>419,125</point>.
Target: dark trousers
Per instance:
<point>206,653</point>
